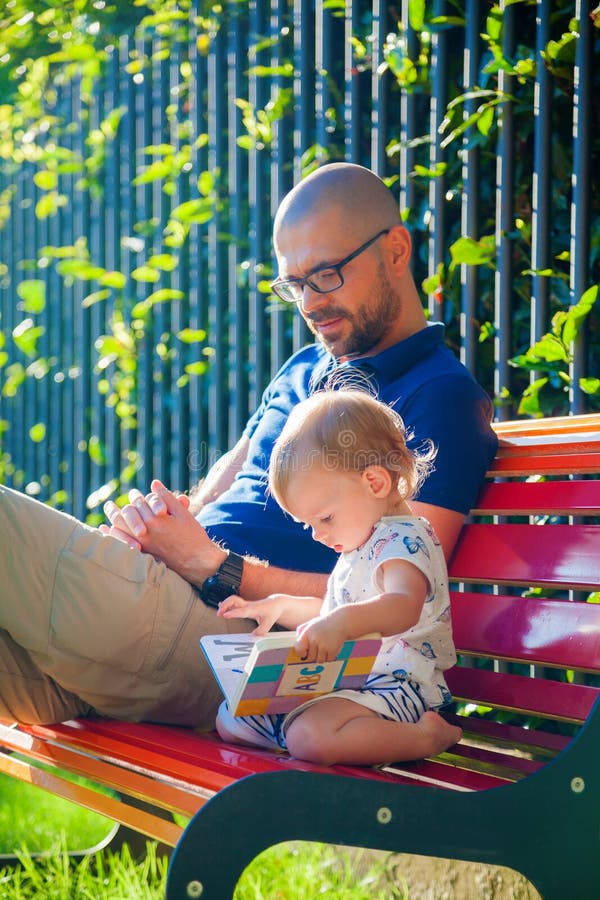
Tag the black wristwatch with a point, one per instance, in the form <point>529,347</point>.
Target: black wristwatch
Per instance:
<point>225,581</point>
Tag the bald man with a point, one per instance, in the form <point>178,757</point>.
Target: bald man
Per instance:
<point>108,621</point>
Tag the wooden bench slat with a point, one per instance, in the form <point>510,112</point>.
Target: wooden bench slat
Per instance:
<point>560,556</point>
<point>538,498</point>
<point>520,463</point>
<point>491,761</point>
<point>539,744</point>
<point>529,696</point>
<point>139,820</point>
<point>166,796</point>
<point>559,633</point>
<point>554,425</point>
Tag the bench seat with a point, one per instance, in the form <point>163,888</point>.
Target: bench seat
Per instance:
<point>520,789</point>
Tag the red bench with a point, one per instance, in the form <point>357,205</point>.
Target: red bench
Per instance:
<point>519,790</point>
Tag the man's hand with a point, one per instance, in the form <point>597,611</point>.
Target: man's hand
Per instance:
<point>128,523</point>
<point>161,524</point>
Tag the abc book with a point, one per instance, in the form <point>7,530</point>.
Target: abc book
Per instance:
<point>264,674</point>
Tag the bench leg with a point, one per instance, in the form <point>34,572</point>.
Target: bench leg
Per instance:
<point>547,826</point>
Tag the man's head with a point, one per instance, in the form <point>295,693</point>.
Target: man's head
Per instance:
<point>341,246</point>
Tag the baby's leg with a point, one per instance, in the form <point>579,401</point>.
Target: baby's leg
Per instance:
<point>337,730</point>
<point>257,731</point>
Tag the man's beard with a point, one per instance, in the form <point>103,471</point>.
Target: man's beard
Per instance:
<point>369,322</point>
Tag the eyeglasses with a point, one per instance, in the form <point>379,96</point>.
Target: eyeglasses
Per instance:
<point>323,281</point>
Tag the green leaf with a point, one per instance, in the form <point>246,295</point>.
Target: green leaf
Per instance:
<point>199,211</point>
<point>530,401</point>
<point>46,180</point>
<point>95,297</point>
<point>590,386</point>
<point>33,294</point>
<point>164,295</point>
<point>164,261</point>
<point>79,268</point>
<point>196,368</point>
<point>49,205</point>
<point>96,450</point>
<point>37,433</point>
<point>192,335</point>
<point>416,14</point>
<point>485,120</point>
<point>26,335</point>
<point>466,251</point>
<point>114,279</point>
<point>577,314</point>
<point>145,274</point>
<point>435,172</point>
<point>155,171</point>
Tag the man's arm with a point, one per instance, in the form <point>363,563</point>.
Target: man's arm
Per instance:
<point>162,525</point>
<point>220,477</point>
<point>445,522</point>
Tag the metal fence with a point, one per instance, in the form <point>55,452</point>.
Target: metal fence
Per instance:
<point>94,385</point>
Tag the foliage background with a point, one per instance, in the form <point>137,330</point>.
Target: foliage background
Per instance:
<point>143,150</point>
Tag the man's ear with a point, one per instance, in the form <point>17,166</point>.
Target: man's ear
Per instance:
<point>378,480</point>
<point>401,247</point>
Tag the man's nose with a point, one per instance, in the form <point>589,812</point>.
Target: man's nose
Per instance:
<point>311,299</point>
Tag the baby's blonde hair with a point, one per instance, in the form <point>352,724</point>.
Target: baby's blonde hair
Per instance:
<point>346,429</point>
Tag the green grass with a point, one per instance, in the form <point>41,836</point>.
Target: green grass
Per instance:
<point>34,818</point>
<point>286,872</point>
<point>31,820</point>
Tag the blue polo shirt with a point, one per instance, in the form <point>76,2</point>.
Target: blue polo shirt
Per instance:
<point>426,384</point>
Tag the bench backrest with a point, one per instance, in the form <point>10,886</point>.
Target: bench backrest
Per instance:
<point>526,598</point>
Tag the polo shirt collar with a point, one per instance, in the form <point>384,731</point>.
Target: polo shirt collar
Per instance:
<point>383,367</point>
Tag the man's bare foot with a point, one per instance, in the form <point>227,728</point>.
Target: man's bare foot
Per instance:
<point>439,734</point>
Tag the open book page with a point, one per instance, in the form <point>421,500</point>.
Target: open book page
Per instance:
<point>227,655</point>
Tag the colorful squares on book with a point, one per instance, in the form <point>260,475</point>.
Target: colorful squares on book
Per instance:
<point>257,707</point>
<point>361,665</point>
<point>290,680</point>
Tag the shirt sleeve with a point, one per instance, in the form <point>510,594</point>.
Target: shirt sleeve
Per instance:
<point>455,414</point>
<point>407,543</point>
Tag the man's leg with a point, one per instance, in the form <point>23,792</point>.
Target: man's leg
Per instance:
<point>107,624</point>
<point>29,696</point>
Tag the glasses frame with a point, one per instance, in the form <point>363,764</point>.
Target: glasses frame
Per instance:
<point>337,267</point>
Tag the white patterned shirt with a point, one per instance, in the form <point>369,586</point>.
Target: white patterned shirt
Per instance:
<point>426,650</point>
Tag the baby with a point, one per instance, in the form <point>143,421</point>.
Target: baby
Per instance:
<point>341,466</point>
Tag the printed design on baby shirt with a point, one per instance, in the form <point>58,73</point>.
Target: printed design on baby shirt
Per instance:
<point>378,547</point>
<point>414,544</point>
<point>427,650</point>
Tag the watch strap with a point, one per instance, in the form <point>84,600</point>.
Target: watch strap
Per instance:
<point>226,580</point>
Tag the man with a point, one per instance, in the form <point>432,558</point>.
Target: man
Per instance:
<point>90,624</point>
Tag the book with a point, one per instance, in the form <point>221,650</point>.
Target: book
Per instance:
<point>264,674</point>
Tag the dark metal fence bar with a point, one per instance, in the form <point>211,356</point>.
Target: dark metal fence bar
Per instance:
<point>580,204</point>
<point>505,218</point>
<point>161,420</point>
<point>470,200</point>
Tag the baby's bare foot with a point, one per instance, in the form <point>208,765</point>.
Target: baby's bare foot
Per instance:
<point>439,734</point>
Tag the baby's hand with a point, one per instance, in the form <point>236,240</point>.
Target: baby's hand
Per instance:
<point>320,639</point>
<point>265,612</point>
<point>232,605</point>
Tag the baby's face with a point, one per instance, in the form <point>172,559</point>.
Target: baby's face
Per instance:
<point>339,506</point>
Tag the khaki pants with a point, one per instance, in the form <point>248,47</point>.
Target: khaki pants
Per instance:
<point>88,625</point>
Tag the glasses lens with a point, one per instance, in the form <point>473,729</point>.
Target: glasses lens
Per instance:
<point>289,291</point>
<point>325,280</point>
